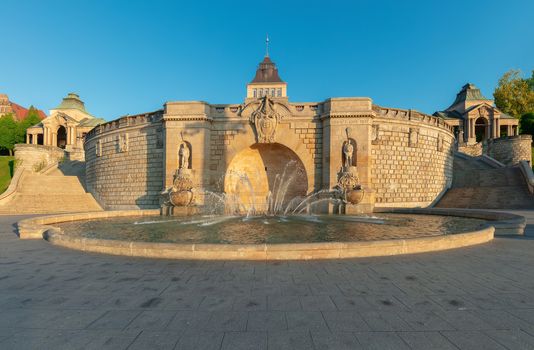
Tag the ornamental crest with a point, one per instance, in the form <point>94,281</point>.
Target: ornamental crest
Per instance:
<point>265,120</point>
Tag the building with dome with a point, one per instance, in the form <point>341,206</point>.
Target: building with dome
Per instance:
<point>475,119</point>
<point>65,127</point>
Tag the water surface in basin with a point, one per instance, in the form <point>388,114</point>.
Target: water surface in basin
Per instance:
<point>270,229</point>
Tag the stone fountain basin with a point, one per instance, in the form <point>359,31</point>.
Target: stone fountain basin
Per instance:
<point>42,228</point>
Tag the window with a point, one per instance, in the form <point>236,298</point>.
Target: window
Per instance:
<point>272,92</point>
<point>279,92</point>
<point>255,92</point>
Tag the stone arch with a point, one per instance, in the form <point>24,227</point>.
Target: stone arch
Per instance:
<point>265,168</point>
<point>286,137</point>
<point>61,137</point>
<point>481,129</point>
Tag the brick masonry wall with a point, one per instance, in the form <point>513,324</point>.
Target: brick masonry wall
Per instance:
<point>411,164</point>
<point>125,166</point>
<point>510,150</point>
<point>311,135</point>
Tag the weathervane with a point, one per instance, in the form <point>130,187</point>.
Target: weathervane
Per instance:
<point>267,46</point>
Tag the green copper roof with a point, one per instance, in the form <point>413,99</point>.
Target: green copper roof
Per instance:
<point>72,101</point>
<point>469,92</point>
<point>91,122</point>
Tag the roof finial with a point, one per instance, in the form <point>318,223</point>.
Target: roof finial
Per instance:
<point>267,46</point>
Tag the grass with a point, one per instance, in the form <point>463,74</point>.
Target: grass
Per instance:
<point>7,168</point>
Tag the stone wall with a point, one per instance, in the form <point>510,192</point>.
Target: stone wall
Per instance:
<point>37,157</point>
<point>404,158</point>
<point>473,150</point>
<point>124,162</point>
<point>411,162</point>
<point>510,150</point>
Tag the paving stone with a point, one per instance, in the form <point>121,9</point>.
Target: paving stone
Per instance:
<point>115,319</point>
<point>426,341</point>
<point>326,340</point>
<point>305,320</point>
<point>267,321</point>
<point>289,340</point>
<point>155,341</point>
<point>244,341</point>
<point>227,321</point>
<point>472,340</point>
<point>381,341</point>
<point>345,321</point>
<point>151,320</point>
<point>385,321</point>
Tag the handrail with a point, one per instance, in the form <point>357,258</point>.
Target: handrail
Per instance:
<point>13,185</point>
<point>528,174</point>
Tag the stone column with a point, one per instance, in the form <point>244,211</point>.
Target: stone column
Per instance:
<point>34,138</point>
<point>54,139</point>
<point>27,137</point>
<point>74,139</point>
<point>509,132</point>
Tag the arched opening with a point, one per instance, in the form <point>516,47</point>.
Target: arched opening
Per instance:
<point>61,137</point>
<point>262,169</point>
<point>40,139</point>
<point>481,129</point>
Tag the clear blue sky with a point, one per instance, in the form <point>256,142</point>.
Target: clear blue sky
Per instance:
<point>128,57</point>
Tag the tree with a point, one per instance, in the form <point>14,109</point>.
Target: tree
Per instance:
<point>530,81</point>
<point>513,94</point>
<point>8,133</point>
<point>526,124</point>
<point>32,118</point>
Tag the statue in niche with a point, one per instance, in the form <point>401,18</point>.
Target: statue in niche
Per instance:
<point>265,120</point>
<point>348,151</point>
<point>184,154</point>
<point>413,137</point>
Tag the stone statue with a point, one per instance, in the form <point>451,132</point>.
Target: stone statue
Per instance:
<point>348,150</point>
<point>184,154</point>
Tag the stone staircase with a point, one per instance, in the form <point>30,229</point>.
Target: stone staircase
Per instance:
<point>59,190</point>
<point>477,184</point>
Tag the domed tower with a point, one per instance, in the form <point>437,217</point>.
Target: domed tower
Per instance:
<point>267,81</point>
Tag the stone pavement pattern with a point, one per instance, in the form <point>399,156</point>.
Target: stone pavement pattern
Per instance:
<point>474,298</point>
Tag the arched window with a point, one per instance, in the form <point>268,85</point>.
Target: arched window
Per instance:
<point>279,92</point>
<point>255,92</point>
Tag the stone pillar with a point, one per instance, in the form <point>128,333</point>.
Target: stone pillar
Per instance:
<point>34,138</point>
<point>54,139</point>
<point>27,138</point>
<point>74,139</point>
<point>509,130</point>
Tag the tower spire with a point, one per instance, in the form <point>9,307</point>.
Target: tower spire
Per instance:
<point>267,46</point>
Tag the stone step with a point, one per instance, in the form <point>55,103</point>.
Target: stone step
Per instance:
<point>24,203</point>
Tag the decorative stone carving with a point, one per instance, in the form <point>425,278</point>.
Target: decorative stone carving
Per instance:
<point>183,154</point>
<point>414,137</point>
<point>123,140</point>
<point>349,186</point>
<point>265,120</point>
<point>98,148</point>
<point>440,143</point>
<point>374,132</point>
<point>181,193</point>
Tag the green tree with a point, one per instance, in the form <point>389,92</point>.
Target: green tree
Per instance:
<point>513,95</point>
<point>530,81</point>
<point>32,118</point>
<point>526,124</point>
<point>8,133</point>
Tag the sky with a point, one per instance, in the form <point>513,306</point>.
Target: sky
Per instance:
<point>129,57</point>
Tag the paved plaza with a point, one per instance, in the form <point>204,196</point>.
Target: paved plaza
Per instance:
<point>480,297</point>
